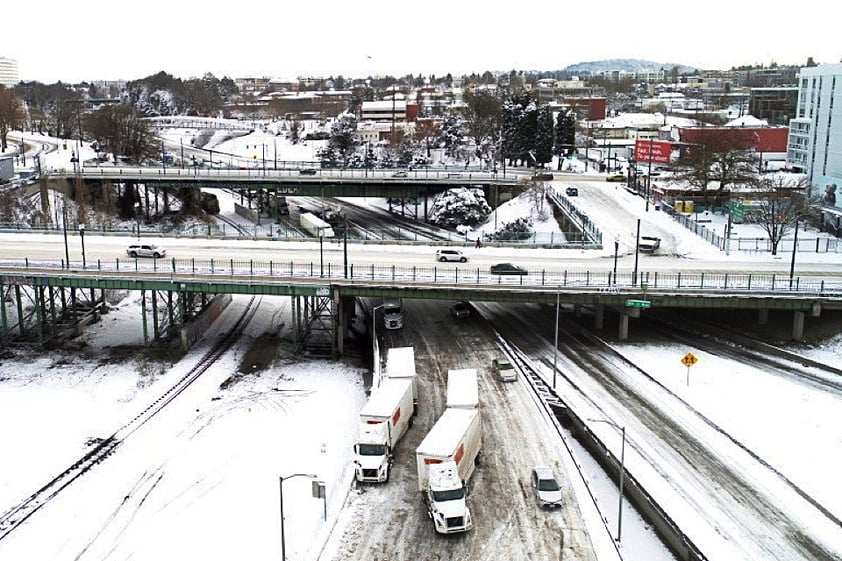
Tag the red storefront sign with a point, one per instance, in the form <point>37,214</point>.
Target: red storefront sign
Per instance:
<point>650,150</point>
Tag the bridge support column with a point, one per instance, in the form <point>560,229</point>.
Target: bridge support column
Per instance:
<point>763,316</point>
<point>623,333</point>
<point>798,325</point>
<point>599,316</point>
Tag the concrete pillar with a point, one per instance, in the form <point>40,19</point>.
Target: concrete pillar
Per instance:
<point>798,325</point>
<point>599,316</point>
<point>624,326</point>
<point>577,310</point>
<point>763,316</point>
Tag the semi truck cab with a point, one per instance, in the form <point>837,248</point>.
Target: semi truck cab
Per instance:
<point>445,498</point>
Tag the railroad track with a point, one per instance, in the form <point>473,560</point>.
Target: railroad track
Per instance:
<point>20,513</point>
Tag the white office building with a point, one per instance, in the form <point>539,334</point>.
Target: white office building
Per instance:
<point>815,134</point>
<point>8,72</point>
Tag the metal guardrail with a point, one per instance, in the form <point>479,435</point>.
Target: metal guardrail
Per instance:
<point>469,277</point>
<point>278,232</point>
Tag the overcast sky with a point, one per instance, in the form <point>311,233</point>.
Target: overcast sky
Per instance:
<point>90,39</point>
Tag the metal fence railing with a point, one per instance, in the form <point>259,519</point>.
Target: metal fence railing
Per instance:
<point>759,245</point>
<point>603,281</point>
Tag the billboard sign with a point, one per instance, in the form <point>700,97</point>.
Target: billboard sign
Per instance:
<point>650,150</point>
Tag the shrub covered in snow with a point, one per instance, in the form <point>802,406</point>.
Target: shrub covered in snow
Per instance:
<point>459,207</point>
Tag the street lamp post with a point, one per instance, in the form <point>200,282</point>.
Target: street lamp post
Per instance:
<point>616,250</point>
<point>282,479</point>
<point>555,340</point>
<point>636,253</point>
<point>622,473</point>
<point>64,229</point>
<point>82,235</point>
<point>321,253</point>
<point>794,249</point>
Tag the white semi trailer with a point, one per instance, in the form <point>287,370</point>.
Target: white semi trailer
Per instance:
<point>384,419</point>
<point>315,226</point>
<point>445,461</point>
<point>400,363</point>
<point>462,389</point>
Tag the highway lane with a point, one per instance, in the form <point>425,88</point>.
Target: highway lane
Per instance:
<point>51,247</point>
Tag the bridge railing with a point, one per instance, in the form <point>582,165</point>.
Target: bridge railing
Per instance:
<point>278,232</point>
<point>238,270</point>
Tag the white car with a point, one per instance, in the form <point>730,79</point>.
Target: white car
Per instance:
<point>146,250</point>
<point>546,488</point>
<point>451,255</point>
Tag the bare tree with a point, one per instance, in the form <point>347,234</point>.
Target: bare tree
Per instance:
<point>483,114</point>
<point>781,206</point>
<point>12,115</point>
<point>120,130</point>
<point>719,156</point>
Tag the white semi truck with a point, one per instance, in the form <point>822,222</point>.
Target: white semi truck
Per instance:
<point>462,389</point>
<point>445,461</point>
<point>400,363</point>
<point>384,419</point>
<point>315,226</point>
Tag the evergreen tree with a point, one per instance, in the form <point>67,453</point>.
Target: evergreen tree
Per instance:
<point>544,136</point>
<point>343,137</point>
<point>565,135</point>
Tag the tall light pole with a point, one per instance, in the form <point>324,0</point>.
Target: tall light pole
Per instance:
<point>622,473</point>
<point>64,229</point>
<point>555,341</point>
<point>82,235</point>
<point>616,249</point>
<point>636,253</point>
<point>321,252</point>
<point>282,479</point>
<point>794,249</point>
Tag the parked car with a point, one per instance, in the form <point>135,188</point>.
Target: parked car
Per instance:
<point>400,174</point>
<point>308,171</point>
<point>572,192</point>
<point>460,310</point>
<point>146,250</point>
<point>507,269</point>
<point>546,488</point>
<point>618,177</point>
<point>451,255</point>
<point>505,369</point>
<point>543,176</point>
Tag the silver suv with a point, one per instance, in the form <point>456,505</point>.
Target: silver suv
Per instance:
<point>146,250</point>
<point>451,255</point>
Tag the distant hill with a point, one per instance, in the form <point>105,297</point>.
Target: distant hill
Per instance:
<point>626,65</point>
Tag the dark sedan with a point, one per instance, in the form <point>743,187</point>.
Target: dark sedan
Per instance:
<point>507,269</point>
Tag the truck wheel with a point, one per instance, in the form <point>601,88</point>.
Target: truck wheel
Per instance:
<point>463,260</point>
<point>134,254</point>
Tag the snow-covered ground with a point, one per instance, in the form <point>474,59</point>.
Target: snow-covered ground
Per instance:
<point>203,481</point>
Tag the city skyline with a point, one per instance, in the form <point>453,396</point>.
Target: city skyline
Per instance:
<point>74,42</point>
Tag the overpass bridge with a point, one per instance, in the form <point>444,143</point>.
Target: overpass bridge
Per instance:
<point>291,182</point>
<point>45,300</point>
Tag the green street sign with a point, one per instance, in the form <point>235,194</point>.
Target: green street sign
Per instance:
<point>638,303</point>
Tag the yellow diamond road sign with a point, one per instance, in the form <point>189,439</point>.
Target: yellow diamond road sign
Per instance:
<point>689,359</point>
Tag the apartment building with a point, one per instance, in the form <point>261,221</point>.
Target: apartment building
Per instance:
<point>815,134</point>
<point>8,72</point>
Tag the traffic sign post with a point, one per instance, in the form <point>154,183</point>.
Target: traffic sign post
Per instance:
<point>689,360</point>
<point>638,304</point>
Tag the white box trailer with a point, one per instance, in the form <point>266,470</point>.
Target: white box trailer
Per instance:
<point>462,389</point>
<point>384,419</point>
<point>400,363</point>
<point>445,461</point>
<point>315,226</point>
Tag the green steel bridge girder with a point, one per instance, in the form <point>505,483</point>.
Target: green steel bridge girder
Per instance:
<point>338,288</point>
